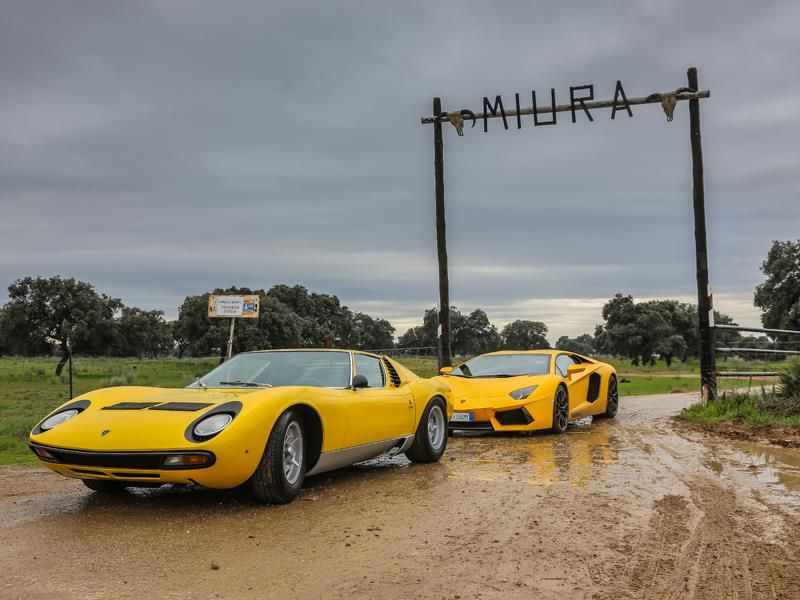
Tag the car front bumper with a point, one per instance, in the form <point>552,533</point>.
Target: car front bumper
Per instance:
<point>141,467</point>
<point>529,416</point>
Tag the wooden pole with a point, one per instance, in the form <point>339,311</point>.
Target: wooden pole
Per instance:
<point>708,367</point>
<point>69,354</point>
<point>445,359</point>
<point>230,340</point>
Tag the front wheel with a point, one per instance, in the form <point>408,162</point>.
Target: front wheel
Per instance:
<point>612,403</point>
<point>560,410</point>
<point>282,469</point>
<point>431,437</point>
<point>104,486</point>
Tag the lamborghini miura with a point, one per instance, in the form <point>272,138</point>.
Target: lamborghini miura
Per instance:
<point>262,419</point>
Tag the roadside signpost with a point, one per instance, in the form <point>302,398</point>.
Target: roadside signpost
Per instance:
<point>233,307</point>
<point>544,111</point>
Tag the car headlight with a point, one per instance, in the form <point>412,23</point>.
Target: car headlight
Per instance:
<point>212,425</point>
<point>58,418</point>
<point>522,393</point>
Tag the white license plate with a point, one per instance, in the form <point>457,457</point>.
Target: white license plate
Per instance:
<point>461,417</point>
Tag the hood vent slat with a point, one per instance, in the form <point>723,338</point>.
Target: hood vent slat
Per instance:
<point>187,406</point>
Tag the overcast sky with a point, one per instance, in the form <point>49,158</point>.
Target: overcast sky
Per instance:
<point>161,149</point>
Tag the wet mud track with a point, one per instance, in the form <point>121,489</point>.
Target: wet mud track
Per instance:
<point>630,508</point>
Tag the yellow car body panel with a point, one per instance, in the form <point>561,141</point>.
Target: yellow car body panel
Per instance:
<point>348,418</point>
<point>487,399</point>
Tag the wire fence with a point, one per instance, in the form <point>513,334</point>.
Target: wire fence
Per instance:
<point>757,352</point>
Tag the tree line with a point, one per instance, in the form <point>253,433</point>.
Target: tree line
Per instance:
<point>641,332</point>
<point>63,315</point>
<point>55,315</point>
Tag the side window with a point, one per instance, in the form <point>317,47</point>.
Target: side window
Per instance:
<point>371,368</point>
<point>562,362</point>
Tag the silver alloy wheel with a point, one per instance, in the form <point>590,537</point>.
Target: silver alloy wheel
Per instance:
<point>613,396</point>
<point>562,408</point>
<point>292,452</point>
<point>437,428</point>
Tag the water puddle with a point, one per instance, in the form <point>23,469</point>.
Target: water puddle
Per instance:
<point>770,465</point>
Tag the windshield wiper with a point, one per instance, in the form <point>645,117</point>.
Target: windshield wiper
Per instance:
<point>241,382</point>
<point>499,375</point>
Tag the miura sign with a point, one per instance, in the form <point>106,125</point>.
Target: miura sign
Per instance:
<point>578,96</point>
<point>544,111</point>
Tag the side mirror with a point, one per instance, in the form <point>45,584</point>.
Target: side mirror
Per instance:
<point>573,369</point>
<point>445,370</point>
<point>359,382</point>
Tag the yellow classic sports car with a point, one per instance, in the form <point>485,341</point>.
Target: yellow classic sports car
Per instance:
<point>266,419</point>
<point>530,390</point>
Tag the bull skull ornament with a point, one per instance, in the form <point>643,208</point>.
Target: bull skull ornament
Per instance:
<point>669,100</point>
<point>456,118</point>
<point>668,103</point>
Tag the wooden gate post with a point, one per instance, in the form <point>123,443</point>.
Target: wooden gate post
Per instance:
<point>443,333</point>
<point>708,368</point>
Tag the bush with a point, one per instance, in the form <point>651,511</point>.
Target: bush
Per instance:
<point>789,382</point>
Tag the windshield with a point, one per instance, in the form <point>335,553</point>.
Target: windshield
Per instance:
<point>504,365</point>
<point>281,368</point>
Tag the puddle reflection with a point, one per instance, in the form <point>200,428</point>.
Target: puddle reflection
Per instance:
<point>537,458</point>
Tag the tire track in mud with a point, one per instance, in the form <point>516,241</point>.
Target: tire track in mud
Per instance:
<point>615,509</point>
<point>708,546</point>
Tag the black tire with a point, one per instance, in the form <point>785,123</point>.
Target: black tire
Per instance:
<point>612,401</point>
<point>104,486</point>
<point>430,440</point>
<point>271,483</point>
<point>560,410</point>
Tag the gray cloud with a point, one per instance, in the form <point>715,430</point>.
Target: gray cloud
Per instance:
<point>162,149</point>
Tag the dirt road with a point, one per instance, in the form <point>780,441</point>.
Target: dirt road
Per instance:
<point>623,509</point>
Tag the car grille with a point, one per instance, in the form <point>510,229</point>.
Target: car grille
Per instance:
<point>119,460</point>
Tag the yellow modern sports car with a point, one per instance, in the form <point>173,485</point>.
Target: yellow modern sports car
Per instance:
<point>266,419</point>
<point>530,390</point>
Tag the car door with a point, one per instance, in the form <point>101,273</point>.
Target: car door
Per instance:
<point>380,411</point>
<point>579,383</point>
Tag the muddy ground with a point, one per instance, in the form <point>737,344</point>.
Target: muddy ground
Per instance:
<point>788,437</point>
<point>631,508</point>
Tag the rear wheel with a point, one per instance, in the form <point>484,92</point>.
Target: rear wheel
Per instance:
<point>282,469</point>
<point>431,437</point>
<point>104,486</point>
<point>612,403</point>
<point>560,410</point>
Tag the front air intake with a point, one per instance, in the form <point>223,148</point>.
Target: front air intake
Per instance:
<point>517,416</point>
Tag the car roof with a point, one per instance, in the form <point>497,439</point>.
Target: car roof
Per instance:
<point>547,351</point>
<point>310,350</point>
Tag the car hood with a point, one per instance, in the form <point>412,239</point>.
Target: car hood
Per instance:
<point>140,418</point>
<point>478,392</point>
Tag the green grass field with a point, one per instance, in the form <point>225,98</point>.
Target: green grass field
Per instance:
<point>29,390</point>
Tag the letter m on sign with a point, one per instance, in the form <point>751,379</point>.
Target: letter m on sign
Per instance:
<point>488,108</point>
